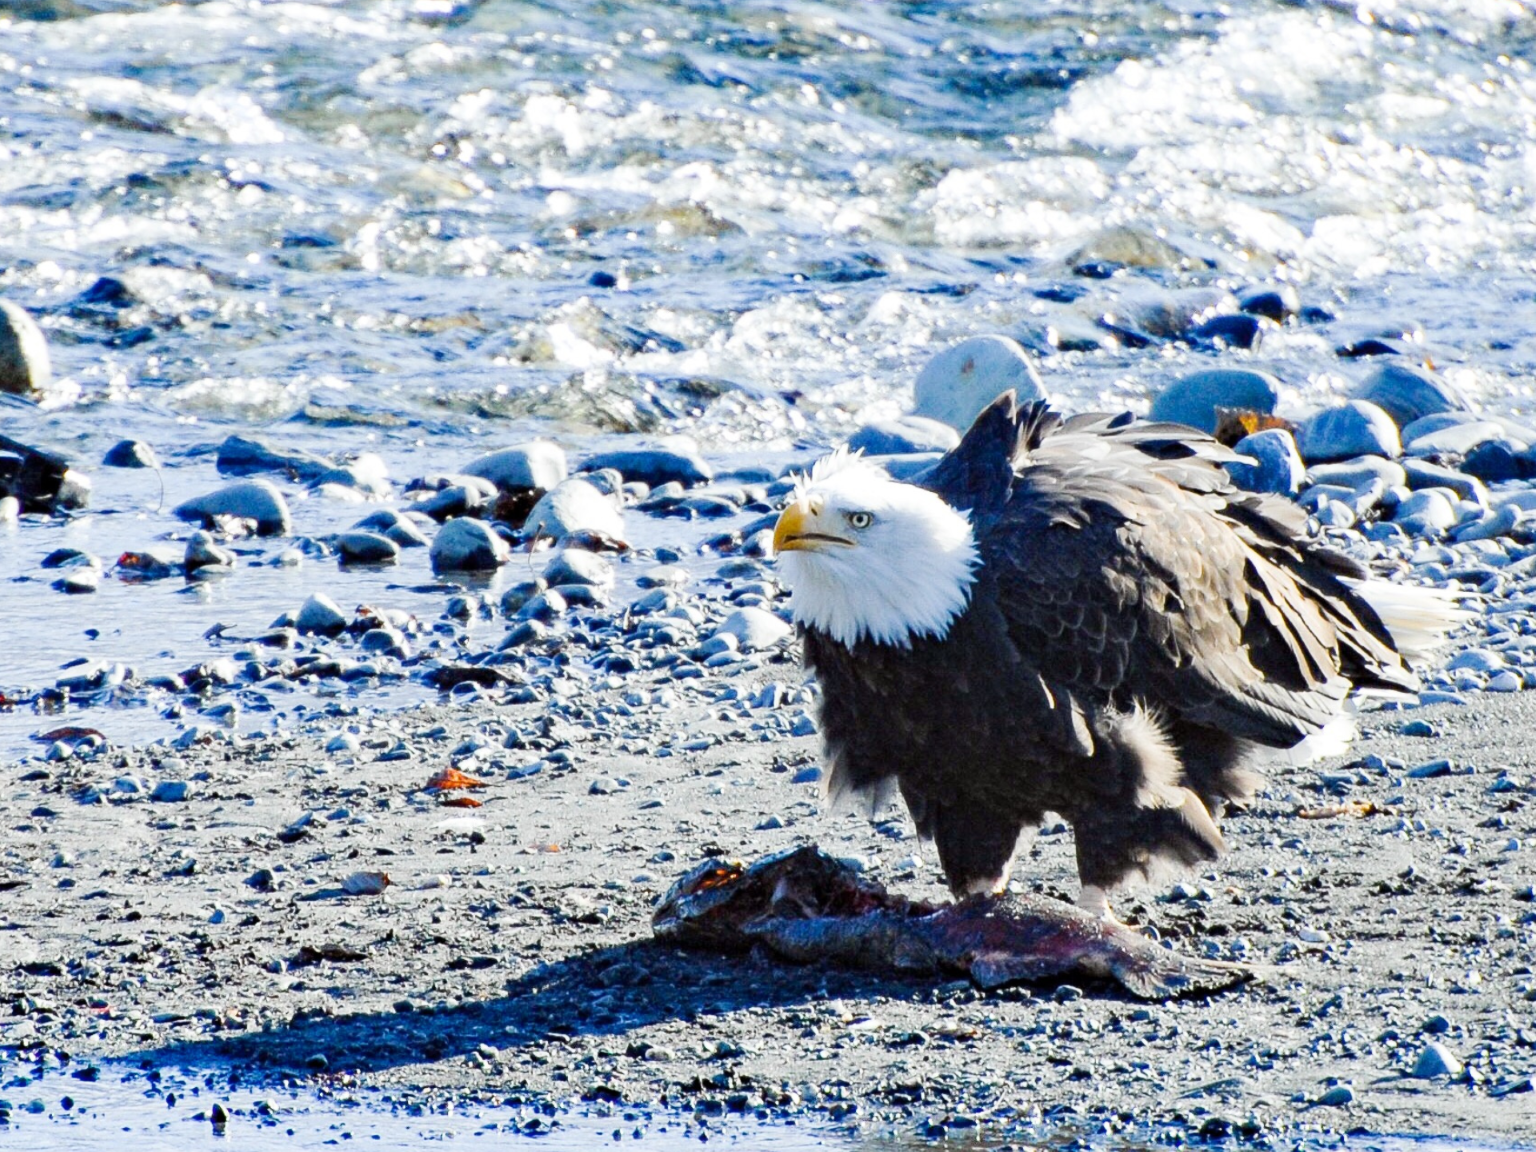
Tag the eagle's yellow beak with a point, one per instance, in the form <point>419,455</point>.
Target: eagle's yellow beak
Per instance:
<point>789,534</point>
<point>800,529</point>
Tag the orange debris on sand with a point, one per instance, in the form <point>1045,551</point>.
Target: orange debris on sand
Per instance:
<point>448,779</point>
<point>461,802</point>
<point>1351,808</point>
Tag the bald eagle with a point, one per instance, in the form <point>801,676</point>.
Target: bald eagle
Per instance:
<point>1078,616</point>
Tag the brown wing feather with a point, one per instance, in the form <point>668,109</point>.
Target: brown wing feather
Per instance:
<point>1117,580</point>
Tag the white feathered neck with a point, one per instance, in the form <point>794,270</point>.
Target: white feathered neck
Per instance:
<point>907,575</point>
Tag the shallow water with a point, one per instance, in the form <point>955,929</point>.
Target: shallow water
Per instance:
<point>53,1111</point>
<point>61,1114</point>
<point>427,228</point>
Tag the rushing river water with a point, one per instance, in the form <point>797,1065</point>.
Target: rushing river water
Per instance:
<point>423,229</point>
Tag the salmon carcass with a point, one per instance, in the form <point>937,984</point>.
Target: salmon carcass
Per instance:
<point>808,907</point>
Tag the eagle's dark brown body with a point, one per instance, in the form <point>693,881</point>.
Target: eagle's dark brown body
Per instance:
<point>1137,627</point>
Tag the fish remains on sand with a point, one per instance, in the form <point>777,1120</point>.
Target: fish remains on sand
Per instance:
<point>808,907</point>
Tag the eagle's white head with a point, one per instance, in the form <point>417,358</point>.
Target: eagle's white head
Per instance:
<point>868,558</point>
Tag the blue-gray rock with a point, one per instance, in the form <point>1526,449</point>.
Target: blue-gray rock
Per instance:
<point>1355,428</point>
<point>256,500</point>
<point>1193,400</point>
<point>1437,421</point>
<point>1358,500</point>
<point>546,606</point>
<point>753,628</point>
<point>1235,330</point>
<point>1277,465</point>
<point>468,545</point>
<point>130,454</point>
<point>1406,393</point>
<point>1436,1060</point>
<point>1361,472</point>
<point>398,526</point>
<point>1424,474</point>
<point>1335,514</point>
<point>321,616</point>
<point>960,381</point>
<point>362,547</point>
<point>202,552</point>
<point>1491,526</point>
<point>663,576</point>
<point>467,496</point>
<point>525,632</point>
<point>1277,302</point>
<point>368,475</point>
<point>574,506</point>
<point>386,642</point>
<point>172,791</point>
<point>582,595</point>
<point>1476,660</point>
<point>611,482</point>
<point>655,466</point>
<point>1494,461</point>
<point>540,464</point>
<point>1337,1097</point>
<point>1427,512</point>
<point>79,580</point>
<point>519,594</point>
<point>1521,498</point>
<point>1455,441</point>
<point>577,566</point>
<point>903,435</point>
<point>239,456</point>
<point>25,369</point>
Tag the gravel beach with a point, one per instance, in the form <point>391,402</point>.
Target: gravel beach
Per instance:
<point>1385,898</point>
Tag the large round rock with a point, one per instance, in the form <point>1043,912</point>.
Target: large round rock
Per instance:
<point>398,526</point>
<point>676,460</point>
<point>540,464</point>
<point>905,434</point>
<point>577,566</point>
<point>1194,399</point>
<point>960,381</point>
<point>1457,440</point>
<point>1407,394</point>
<point>468,545</point>
<point>574,506</point>
<point>241,456</point>
<point>1276,466</point>
<point>256,500</point>
<point>24,366</point>
<point>320,615</point>
<point>130,454</point>
<point>359,546</point>
<point>753,628</point>
<point>1355,428</point>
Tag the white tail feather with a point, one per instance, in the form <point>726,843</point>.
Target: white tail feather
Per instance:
<point>1419,619</point>
<point>1332,739</point>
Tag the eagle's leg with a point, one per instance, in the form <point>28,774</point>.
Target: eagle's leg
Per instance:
<point>1117,842</point>
<point>975,844</point>
<point>1215,765</point>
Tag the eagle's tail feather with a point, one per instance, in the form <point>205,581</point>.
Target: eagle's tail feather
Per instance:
<point>1418,619</point>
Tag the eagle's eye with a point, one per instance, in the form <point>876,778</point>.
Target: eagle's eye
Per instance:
<point>861,520</point>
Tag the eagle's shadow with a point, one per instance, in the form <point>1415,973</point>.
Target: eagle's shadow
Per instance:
<point>610,992</point>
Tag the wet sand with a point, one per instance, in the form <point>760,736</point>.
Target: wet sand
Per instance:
<point>510,957</point>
